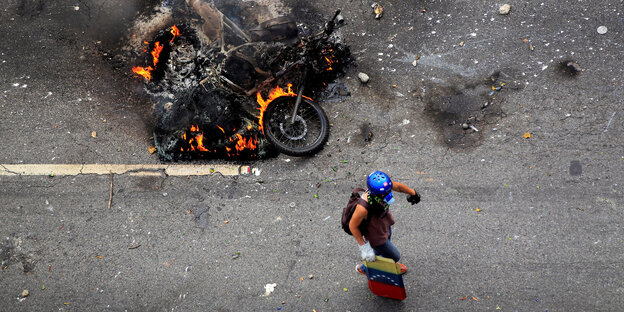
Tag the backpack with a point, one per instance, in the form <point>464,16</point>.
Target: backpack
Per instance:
<point>348,211</point>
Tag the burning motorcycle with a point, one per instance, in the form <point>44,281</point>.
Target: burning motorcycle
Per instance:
<point>226,97</point>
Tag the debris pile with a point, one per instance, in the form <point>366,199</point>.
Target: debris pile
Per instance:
<point>208,81</point>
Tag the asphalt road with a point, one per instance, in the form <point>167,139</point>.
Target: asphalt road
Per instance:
<point>506,222</point>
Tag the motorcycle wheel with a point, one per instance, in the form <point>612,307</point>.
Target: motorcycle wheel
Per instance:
<point>306,136</point>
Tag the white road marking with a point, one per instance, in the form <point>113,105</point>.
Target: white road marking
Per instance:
<point>105,169</point>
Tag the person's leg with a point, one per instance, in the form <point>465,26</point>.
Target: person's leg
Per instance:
<point>388,250</point>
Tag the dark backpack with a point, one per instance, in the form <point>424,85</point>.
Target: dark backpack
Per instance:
<point>348,211</point>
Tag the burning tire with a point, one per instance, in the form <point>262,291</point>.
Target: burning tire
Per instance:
<point>306,136</point>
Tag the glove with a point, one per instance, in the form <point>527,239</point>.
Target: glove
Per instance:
<point>368,254</point>
<point>414,199</point>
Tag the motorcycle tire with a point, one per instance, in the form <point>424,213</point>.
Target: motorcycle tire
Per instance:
<point>306,136</point>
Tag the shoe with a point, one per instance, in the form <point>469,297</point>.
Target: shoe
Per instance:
<point>361,269</point>
<point>403,268</point>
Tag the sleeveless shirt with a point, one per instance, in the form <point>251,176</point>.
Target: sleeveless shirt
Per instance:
<point>378,228</point>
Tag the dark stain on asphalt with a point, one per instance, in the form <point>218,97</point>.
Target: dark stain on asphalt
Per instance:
<point>201,216</point>
<point>13,250</point>
<point>30,7</point>
<point>575,168</point>
<point>148,183</point>
<point>569,68</point>
<point>366,132</point>
<point>460,107</point>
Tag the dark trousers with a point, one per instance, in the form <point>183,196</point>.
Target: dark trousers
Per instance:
<point>388,249</point>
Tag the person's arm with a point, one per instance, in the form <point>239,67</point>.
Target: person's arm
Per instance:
<point>359,215</point>
<point>400,187</point>
<point>366,251</point>
<point>412,195</point>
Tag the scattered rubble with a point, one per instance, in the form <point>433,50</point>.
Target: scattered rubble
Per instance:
<point>602,30</point>
<point>363,77</point>
<point>377,9</point>
<point>504,9</point>
<point>269,288</point>
<point>570,68</point>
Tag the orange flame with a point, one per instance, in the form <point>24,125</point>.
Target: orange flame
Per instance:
<point>200,142</point>
<point>146,72</point>
<point>273,94</point>
<point>243,143</point>
<point>329,63</point>
<point>158,47</point>
<point>175,31</point>
<point>329,57</point>
<point>196,142</point>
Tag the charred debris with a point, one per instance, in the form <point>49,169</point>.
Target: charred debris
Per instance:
<point>208,79</point>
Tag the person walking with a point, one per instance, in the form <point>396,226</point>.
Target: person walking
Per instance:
<point>372,227</point>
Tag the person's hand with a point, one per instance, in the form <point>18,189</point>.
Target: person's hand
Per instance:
<point>368,254</point>
<point>414,199</point>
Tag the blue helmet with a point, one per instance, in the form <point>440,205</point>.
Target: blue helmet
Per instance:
<point>379,183</point>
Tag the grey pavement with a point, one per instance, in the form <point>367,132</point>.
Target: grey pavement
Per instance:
<point>506,222</point>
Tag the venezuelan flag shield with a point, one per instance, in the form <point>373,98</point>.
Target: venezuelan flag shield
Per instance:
<point>385,279</point>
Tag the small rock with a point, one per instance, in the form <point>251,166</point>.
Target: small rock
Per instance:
<point>461,43</point>
<point>574,67</point>
<point>378,9</point>
<point>363,77</point>
<point>25,293</point>
<point>93,134</point>
<point>269,288</point>
<point>602,30</point>
<point>465,126</point>
<point>310,276</point>
<point>504,9</point>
